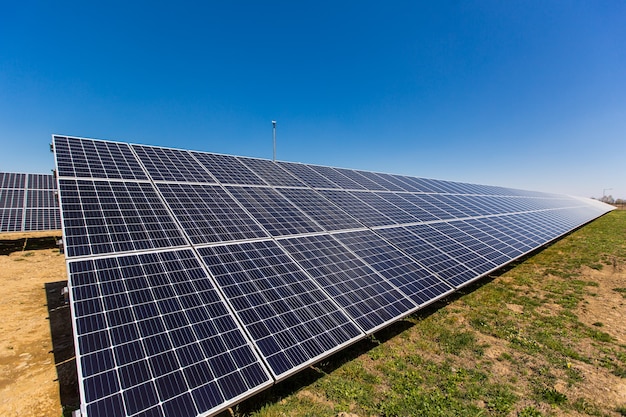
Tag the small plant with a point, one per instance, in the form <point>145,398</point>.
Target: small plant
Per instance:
<point>553,397</point>
<point>586,407</point>
<point>529,411</point>
<point>598,324</point>
<point>621,410</point>
<point>600,336</point>
<point>621,291</point>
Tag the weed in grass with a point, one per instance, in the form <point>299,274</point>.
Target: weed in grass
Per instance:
<point>621,410</point>
<point>529,411</point>
<point>585,406</point>
<point>600,336</point>
<point>553,397</point>
<point>454,342</point>
<point>500,399</point>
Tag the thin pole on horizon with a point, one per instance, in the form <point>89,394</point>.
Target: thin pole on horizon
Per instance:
<point>274,135</point>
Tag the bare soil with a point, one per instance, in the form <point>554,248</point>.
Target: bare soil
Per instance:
<point>28,376</point>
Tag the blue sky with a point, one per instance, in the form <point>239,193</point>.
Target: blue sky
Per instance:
<point>526,94</point>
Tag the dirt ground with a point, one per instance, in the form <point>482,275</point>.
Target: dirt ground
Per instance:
<point>28,378</point>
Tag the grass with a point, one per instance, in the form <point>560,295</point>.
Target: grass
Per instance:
<point>511,345</point>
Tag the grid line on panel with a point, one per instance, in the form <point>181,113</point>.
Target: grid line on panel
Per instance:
<point>105,217</point>
<point>164,164</point>
<point>324,212</point>
<point>41,182</point>
<point>272,173</point>
<point>367,297</point>
<point>155,329</point>
<point>12,180</point>
<point>273,211</point>
<point>11,198</point>
<point>37,219</point>
<point>28,203</point>
<point>87,158</point>
<point>337,177</point>
<point>409,240</point>
<point>382,204</point>
<point>227,169</point>
<point>483,243</point>
<point>408,276</point>
<point>465,248</point>
<point>292,322</point>
<point>367,182</point>
<point>392,182</point>
<point>357,208</point>
<point>208,214</point>
<point>307,175</point>
<point>11,220</point>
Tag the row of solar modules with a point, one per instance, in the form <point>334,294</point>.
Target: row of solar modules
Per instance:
<point>200,279</point>
<point>28,203</point>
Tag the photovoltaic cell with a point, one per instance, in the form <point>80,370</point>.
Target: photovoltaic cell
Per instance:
<point>357,208</point>
<point>325,213</point>
<point>12,180</point>
<point>308,175</point>
<point>105,217</point>
<point>28,202</point>
<point>12,198</point>
<point>208,214</point>
<point>37,219</point>
<point>409,277</point>
<point>96,159</point>
<point>367,182</point>
<point>11,220</point>
<point>292,322</point>
<point>172,165</point>
<point>386,206</point>
<point>41,182</point>
<point>272,173</point>
<point>337,177</point>
<point>368,298</point>
<point>273,211</point>
<point>154,336</point>
<point>411,240</point>
<point>227,169</point>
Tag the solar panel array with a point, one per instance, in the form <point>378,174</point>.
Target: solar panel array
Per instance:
<point>197,279</point>
<point>28,203</point>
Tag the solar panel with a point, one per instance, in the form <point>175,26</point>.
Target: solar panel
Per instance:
<point>370,300</point>
<point>207,213</point>
<point>172,165</point>
<point>115,216</point>
<point>291,320</point>
<point>198,279</point>
<point>28,202</point>
<point>277,214</point>
<point>228,170</point>
<point>155,337</point>
<point>318,208</point>
<point>272,173</point>
<point>76,157</point>
<point>403,272</point>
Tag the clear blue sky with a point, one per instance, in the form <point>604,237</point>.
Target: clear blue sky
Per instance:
<point>527,94</point>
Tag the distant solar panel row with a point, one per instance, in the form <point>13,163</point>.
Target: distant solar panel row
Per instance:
<point>28,203</point>
<point>199,279</point>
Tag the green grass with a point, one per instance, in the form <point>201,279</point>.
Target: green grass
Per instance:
<point>485,351</point>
